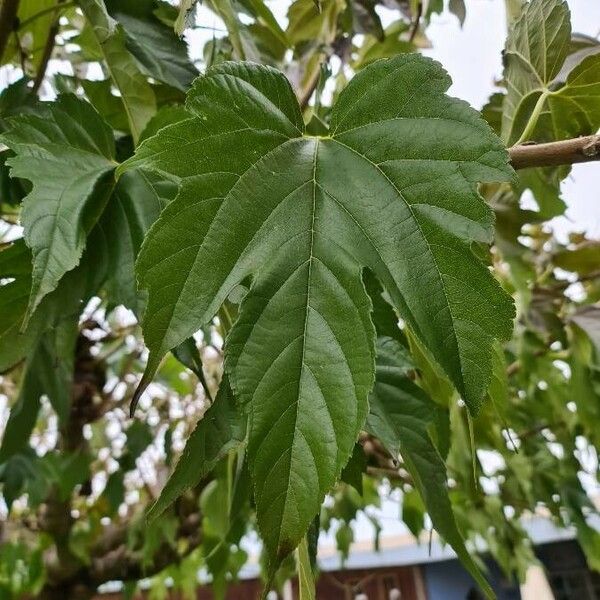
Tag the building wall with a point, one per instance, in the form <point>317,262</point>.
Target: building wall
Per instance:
<point>567,571</point>
<point>448,580</point>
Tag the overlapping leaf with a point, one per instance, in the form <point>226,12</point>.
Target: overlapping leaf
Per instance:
<point>548,97</point>
<point>138,98</point>
<point>154,44</point>
<point>403,417</point>
<point>220,429</point>
<point>392,188</point>
<point>67,153</point>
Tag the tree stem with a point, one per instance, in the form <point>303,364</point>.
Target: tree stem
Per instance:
<point>8,18</point>
<point>553,154</point>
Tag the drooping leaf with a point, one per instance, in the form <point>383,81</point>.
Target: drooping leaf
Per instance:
<point>458,9</point>
<point>154,44</point>
<point>68,155</point>
<point>136,93</point>
<point>255,191</point>
<point>306,578</point>
<point>402,417</point>
<point>221,429</point>
<point>187,354</point>
<point>132,208</point>
<point>353,471</point>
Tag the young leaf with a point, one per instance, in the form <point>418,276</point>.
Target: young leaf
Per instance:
<point>549,97</point>
<point>392,189</point>
<point>67,152</point>
<point>401,416</point>
<point>221,429</point>
<point>536,48</point>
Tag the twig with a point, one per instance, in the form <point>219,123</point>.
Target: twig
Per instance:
<point>8,21</point>
<point>552,154</point>
<point>415,25</point>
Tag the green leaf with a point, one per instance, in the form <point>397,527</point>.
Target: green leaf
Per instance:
<point>187,15</point>
<point>71,140</point>
<point>306,23</point>
<point>583,259</point>
<point>15,270</point>
<point>34,29</point>
<point>402,416</point>
<point>574,108</point>
<point>551,95</point>
<point>413,512</point>
<point>306,577</point>
<point>536,48</point>
<point>110,106</point>
<point>307,211</point>
<point>394,42</point>
<point>133,207</point>
<point>161,54</point>
<point>187,354</point>
<point>221,429</point>
<point>353,471</point>
<point>136,93</point>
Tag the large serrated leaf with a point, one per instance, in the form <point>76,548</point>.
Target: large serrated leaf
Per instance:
<point>402,417</point>
<point>393,188</point>
<point>67,152</point>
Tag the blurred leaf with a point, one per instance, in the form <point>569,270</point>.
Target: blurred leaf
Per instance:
<point>139,437</point>
<point>413,512</point>
<point>394,42</point>
<point>583,260</point>
<point>161,54</point>
<point>588,318</point>
<point>136,93</point>
<point>307,23</point>
<point>306,578</point>
<point>457,8</point>
<point>352,473</point>
<point>221,429</point>
<point>187,15</point>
